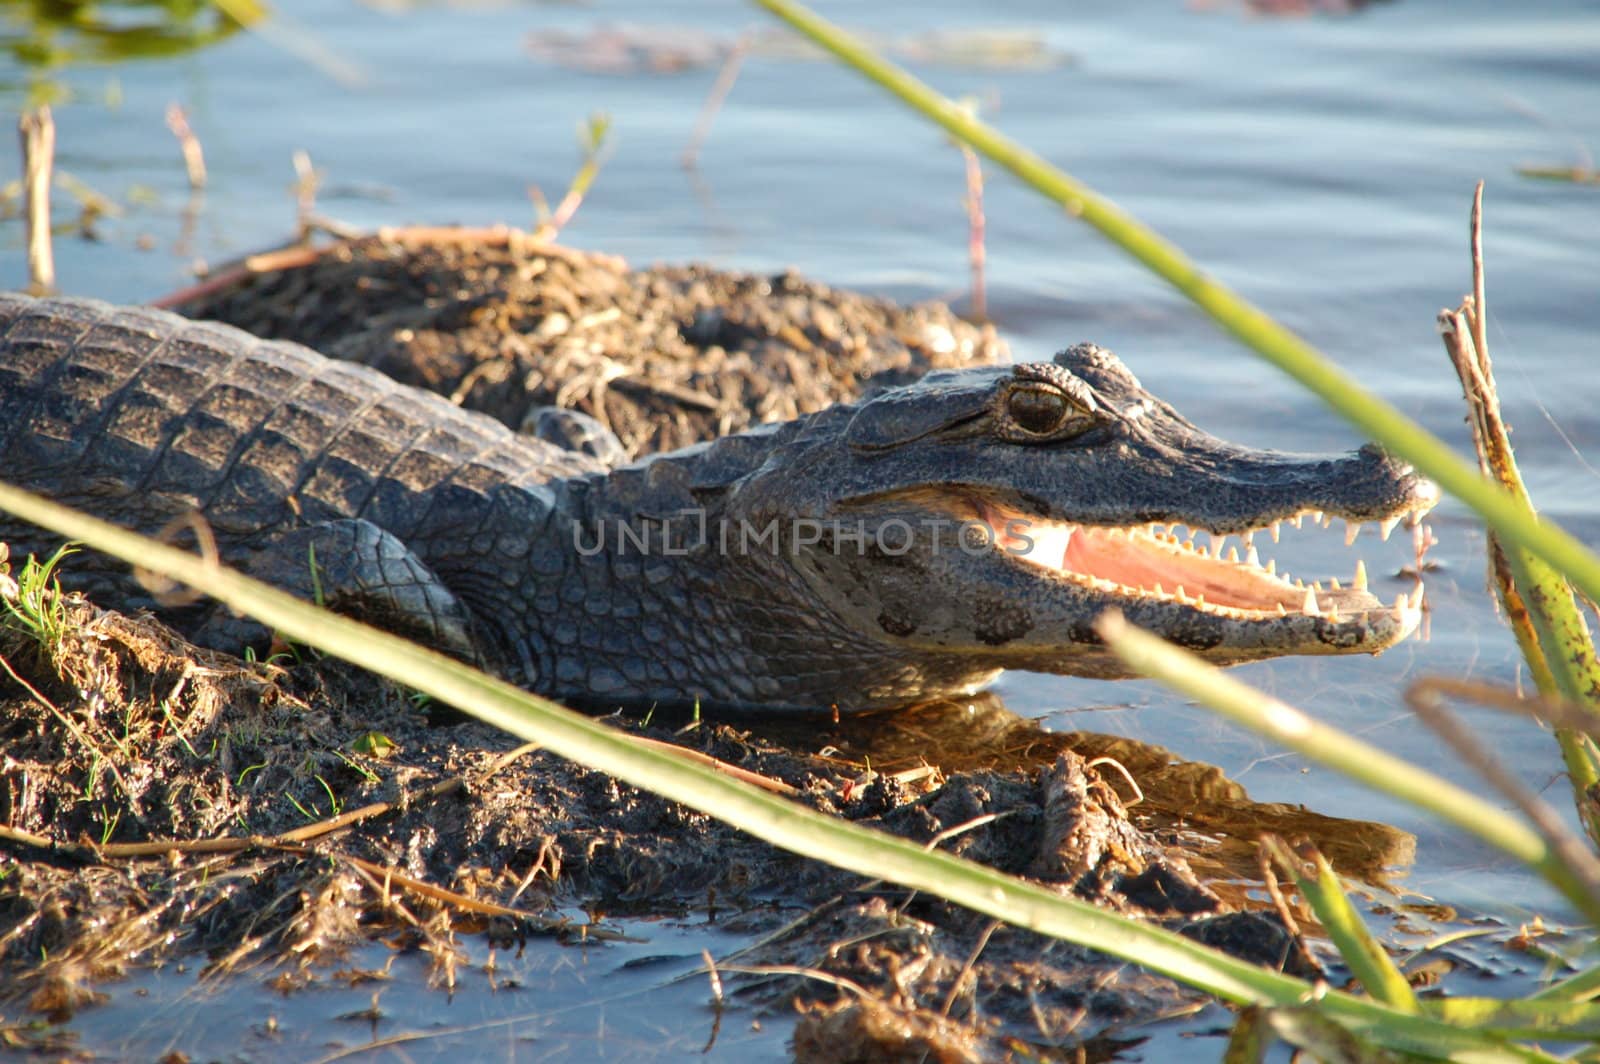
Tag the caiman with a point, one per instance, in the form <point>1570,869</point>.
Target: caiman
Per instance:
<point>904,547</point>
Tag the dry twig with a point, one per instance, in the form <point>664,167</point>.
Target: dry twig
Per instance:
<point>1426,699</point>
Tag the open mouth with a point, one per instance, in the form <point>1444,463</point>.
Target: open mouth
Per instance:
<point>1152,563</point>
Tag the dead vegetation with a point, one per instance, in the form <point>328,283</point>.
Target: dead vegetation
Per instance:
<point>665,356</point>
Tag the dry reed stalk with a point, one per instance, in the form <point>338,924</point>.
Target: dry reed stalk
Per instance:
<point>715,99</point>
<point>194,159</point>
<point>977,254</point>
<point>37,131</point>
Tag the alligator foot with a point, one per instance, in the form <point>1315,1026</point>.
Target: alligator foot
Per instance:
<point>573,430</point>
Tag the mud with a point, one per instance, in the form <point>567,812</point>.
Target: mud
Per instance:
<point>160,800</point>
<point>665,356</point>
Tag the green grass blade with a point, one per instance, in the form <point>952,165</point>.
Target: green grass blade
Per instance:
<point>1378,419</point>
<point>1150,656</point>
<point>1526,1018</point>
<point>1362,953</point>
<point>1581,987</point>
<point>1247,1042</point>
<point>780,822</point>
<point>1308,1030</point>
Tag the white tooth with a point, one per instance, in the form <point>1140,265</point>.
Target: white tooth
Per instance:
<point>1160,590</point>
<point>1216,545</point>
<point>1295,520</point>
<point>1386,526</point>
<point>1299,583</point>
<point>1180,595</point>
<point>1249,538</point>
<point>1333,614</point>
<point>1333,583</point>
<point>1351,531</point>
<point>1252,558</point>
<point>1233,555</point>
<point>1199,600</point>
<point>1318,517</point>
<point>1274,530</point>
<point>1281,611</point>
<point>1272,567</point>
<point>1360,582</point>
<point>1309,607</point>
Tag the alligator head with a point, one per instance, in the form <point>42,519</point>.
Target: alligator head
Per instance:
<point>982,519</point>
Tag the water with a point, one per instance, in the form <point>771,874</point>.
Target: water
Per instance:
<point>1323,167</point>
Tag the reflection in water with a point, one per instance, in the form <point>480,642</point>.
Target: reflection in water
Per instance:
<point>1189,803</point>
<point>42,36</point>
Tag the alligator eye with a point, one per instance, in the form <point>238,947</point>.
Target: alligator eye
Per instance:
<point>1037,411</point>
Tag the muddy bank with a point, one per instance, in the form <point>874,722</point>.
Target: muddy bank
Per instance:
<point>130,736</point>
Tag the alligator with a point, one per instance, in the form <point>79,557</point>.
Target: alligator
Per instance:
<point>905,547</point>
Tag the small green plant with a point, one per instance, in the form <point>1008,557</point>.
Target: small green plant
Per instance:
<point>334,804</point>
<point>172,723</point>
<point>317,594</point>
<point>592,143</point>
<point>357,767</point>
<point>372,744</point>
<point>92,783</point>
<point>38,610</point>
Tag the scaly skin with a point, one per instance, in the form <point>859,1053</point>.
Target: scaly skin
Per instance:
<point>807,565</point>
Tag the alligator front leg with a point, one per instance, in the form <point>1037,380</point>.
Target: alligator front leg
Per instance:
<point>355,568</point>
